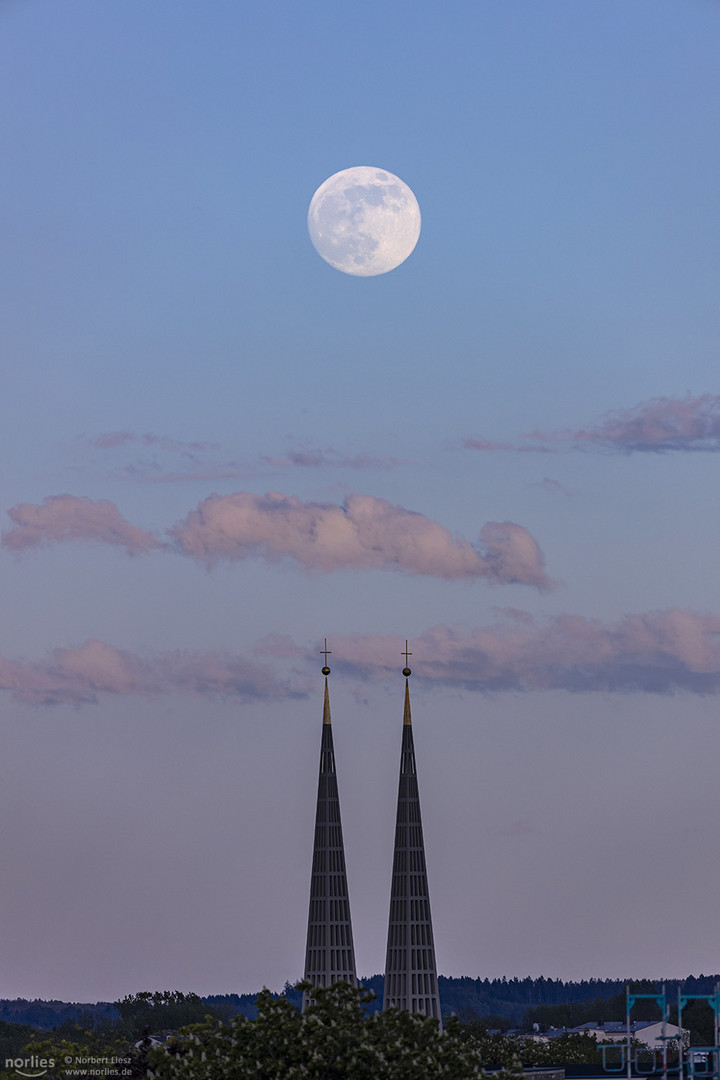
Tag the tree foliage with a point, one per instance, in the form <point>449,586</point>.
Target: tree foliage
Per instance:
<point>164,1010</point>
<point>102,1043</point>
<point>332,1040</point>
<point>699,1019</point>
<point>502,1051</point>
<point>13,1037</point>
<point>76,1059</point>
<point>600,1010</point>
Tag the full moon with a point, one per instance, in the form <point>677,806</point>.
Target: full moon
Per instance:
<point>364,221</point>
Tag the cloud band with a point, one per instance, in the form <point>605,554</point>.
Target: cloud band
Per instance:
<point>364,533</point>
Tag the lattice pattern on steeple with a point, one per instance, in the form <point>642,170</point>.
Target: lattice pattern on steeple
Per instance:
<point>410,968</point>
<point>330,955</point>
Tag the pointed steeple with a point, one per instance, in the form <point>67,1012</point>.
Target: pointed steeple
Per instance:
<point>329,955</point>
<point>410,968</point>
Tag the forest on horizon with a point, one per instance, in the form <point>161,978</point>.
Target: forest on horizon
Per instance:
<point>511,1000</point>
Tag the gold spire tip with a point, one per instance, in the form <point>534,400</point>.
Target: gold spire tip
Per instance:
<point>407,718</point>
<point>326,704</point>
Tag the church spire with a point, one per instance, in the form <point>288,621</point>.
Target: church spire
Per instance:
<point>329,955</point>
<point>410,969</point>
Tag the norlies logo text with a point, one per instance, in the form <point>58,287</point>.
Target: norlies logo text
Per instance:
<point>37,1063</point>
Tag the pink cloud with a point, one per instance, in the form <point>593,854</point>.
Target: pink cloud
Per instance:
<point>362,534</point>
<point>152,472</point>
<point>316,458</point>
<point>111,440</point>
<point>656,426</point>
<point>548,484</point>
<point>689,423</point>
<point>280,646</point>
<point>68,517</point>
<point>202,465</point>
<point>80,675</point>
<point>656,652</point>
<point>495,447</point>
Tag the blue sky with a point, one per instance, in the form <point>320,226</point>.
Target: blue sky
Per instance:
<point>546,360</point>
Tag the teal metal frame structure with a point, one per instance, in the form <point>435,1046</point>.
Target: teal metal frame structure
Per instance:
<point>633,1060</point>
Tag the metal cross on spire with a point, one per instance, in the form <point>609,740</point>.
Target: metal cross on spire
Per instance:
<point>406,653</point>
<point>326,652</point>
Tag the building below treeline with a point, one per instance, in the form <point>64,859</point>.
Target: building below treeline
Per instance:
<point>648,1032</point>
